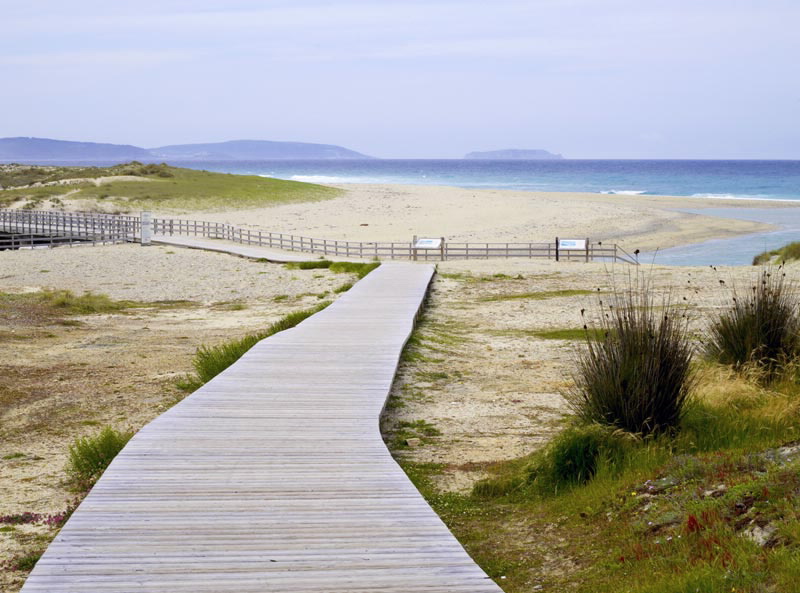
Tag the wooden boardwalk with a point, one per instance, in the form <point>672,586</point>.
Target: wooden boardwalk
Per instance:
<point>273,477</point>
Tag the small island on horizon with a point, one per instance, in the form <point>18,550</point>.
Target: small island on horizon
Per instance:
<point>514,154</point>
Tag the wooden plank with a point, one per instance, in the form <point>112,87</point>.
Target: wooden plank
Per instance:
<point>273,477</point>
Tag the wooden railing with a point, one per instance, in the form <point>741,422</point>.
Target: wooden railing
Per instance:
<point>112,228</point>
<point>48,228</point>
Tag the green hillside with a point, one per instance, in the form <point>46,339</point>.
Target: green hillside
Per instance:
<point>152,187</point>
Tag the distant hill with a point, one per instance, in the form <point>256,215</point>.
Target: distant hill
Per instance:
<point>256,150</point>
<point>514,154</point>
<point>45,149</point>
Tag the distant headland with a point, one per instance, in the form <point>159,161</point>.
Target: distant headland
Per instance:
<point>514,154</point>
<point>46,149</point>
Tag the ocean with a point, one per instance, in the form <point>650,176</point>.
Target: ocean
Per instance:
<point>767,180</point>
<point>751,179</point>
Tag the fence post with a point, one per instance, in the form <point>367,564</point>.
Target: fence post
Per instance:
<point>556,248</point>
<point>147,228</point>
<point>587,250</point>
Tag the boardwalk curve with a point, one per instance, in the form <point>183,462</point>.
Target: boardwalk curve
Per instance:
<point>273,476</point>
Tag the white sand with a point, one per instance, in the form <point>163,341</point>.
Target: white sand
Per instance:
<point>398,212</point>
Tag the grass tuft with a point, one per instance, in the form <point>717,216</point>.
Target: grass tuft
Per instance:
<point>760,328</point>
<point>90,456</point>
<point>637,376</point>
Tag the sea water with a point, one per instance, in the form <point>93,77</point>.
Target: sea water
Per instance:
<point>709,179</point>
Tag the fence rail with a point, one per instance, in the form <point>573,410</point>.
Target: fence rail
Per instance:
<point>113,228</point>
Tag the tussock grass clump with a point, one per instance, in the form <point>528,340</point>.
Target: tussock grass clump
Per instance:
<point>637,376</point>
<point>90,456</point>
<point>761,327</point>
<point>210,361</point>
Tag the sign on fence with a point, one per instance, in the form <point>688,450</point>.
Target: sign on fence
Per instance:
<point>572,244</point>
<point>428,244</point>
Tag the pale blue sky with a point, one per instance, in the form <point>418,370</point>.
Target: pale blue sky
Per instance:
<point>428,79</point>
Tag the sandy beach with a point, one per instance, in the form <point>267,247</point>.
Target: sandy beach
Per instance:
<point>398,212</point>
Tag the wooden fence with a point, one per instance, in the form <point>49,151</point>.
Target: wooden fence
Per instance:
<point>111,228</point>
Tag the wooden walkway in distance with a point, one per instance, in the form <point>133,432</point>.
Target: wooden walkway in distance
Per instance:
<point>243,250</point>
<point>273,477</point>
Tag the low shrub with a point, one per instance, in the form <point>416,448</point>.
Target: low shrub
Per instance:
<point>90,456</point>
<point>637,375</point>
<point>760,328</point>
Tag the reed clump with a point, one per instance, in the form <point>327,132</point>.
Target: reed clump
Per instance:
<point>759,332</point>
<point>637,376</point>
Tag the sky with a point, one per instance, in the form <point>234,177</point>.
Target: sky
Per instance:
<point>411,79</point>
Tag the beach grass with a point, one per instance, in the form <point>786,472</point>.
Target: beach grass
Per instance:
<point>163,187</point>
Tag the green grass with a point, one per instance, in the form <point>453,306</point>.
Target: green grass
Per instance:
<point>787,253</point>
<point>410,429</point>
<point>63,302</point>
<point>568,334</point>
<point>13,456</point>
<point>162,187</point>
<point>536,296</point>
<point>317,264</point>
<point>210,361</point>
<point>343,288</point>
<point>359,269</point>
<point>90,456</point>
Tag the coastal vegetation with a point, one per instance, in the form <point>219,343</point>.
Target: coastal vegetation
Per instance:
<point>787,253</point>
<point>340,267</point>
<point>90,456</point>
<point>760,330</point>
<point>705,500</point>
<point>138,186</point>
<point>637,376</point>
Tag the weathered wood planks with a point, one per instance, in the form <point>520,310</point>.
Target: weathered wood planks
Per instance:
<point>273,477</point>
